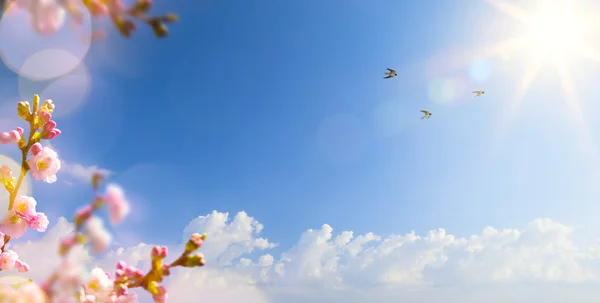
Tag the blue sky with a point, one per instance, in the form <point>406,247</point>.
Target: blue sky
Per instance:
<point>279,109</point>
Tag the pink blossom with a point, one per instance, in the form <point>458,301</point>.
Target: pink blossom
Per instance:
<point>8,259</point>
<point>47,17</point>
<point>6,174</point>
<point>118,206</point>
<point>13,225</point>
<point>24,206</point>
<point>44,165</point>
<point>39,222</point>
<point>69,276</point>
<point>99,285</point>
<point>21,266</point>
<point>99,237</point>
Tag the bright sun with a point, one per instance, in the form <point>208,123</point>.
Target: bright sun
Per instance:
<point>554,32</point>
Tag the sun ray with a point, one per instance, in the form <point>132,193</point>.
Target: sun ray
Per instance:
<point>510,10</point>
<point>529,75</point>
<point>576,112</point>
<point>555,32</point>
<point>515,102</point>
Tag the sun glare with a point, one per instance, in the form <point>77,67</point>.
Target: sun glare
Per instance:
<point>554,32</point>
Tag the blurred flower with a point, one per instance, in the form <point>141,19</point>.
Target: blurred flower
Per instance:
<point>118,207</point>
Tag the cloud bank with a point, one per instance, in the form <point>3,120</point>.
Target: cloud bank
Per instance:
<point>538,263</point>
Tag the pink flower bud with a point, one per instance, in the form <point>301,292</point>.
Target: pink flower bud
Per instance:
<point>4,138</point>
<point>21,266</point>
<point>121,265</point>
<point>21,131</point>
<point>138,274</point>
<point>14,136</point>
<point>52,134</point>
<point>119,274</point>
<point>83,214</point>
<point>48,126</point>
<point>36,149</point>
<point>44,116</point>
<point>129,271</point>
<point>159,252</point>
<point>161,296</point>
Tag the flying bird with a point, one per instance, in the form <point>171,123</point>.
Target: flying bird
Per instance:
<point>390,74</point>
<point>478,93</point>
<point>427,114</point>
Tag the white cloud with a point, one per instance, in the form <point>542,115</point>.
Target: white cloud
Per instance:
<point>80,172</point>
<point>539,263</point>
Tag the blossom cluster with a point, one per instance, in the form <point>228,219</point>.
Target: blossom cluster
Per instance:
<point>48,16</point>
<point>66,284</point>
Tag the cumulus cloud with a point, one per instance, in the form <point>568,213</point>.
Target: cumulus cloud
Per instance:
<point>537,263</point>
<point>76,171</point>
<point>80,172</point>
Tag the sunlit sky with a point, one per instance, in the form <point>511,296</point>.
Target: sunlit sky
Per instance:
<point>280,109</point>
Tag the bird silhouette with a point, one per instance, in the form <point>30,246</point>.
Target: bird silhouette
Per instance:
<point>427,114</point>
<point>390,74</point>
<point>478,93</point>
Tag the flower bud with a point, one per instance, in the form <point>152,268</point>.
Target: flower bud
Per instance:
<point>52,134</point>
<point>195,260</point>
<point>14,136</point>
<point>158,252</point>
<point>49,126</point>
<point>24,110</point>
<point>194,242</point>
<point>36,102</point>
<point>48,106</point>
<point>36,149</point>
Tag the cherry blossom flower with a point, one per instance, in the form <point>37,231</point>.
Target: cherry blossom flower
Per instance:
<point>44,164</point>
<point>99,237</point>
<point>8,259</point>
<point>39,222</point>
<point>13,225</point>
<point>100,285</point>
<point>24,206</point>
<point>118,206</point>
